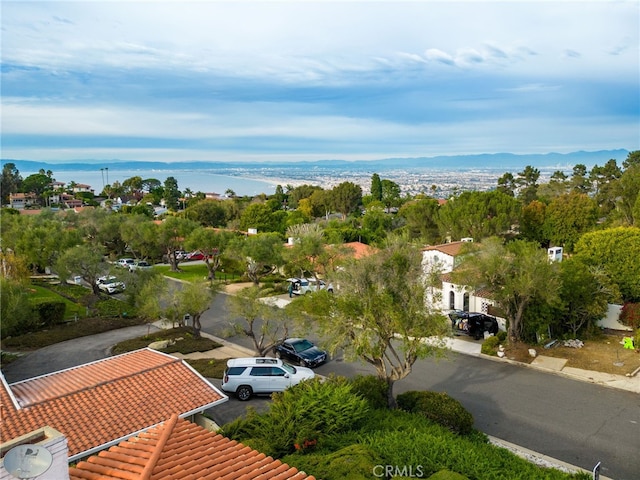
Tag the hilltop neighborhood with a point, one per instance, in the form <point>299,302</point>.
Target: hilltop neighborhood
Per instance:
<point>535,262</point>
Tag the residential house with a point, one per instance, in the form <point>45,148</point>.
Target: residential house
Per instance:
<point>82,188</point>
<point>20,201</point>
<point>99,404</point>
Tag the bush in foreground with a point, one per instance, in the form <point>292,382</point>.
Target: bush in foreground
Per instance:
<point>301,416</point>
<point>440,408</point>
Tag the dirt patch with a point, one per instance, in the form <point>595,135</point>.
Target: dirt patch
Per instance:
<point>603,354</point>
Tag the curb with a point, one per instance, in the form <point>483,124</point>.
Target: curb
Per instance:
<point>539,458</point>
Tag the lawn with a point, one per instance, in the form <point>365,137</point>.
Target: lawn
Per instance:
<point>39,294</point>
<point>196,272</point>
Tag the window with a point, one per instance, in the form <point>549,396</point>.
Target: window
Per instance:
<point>465,302</point>
<point>452,300</point>
<point>235,370</point>
<point>261,371</point>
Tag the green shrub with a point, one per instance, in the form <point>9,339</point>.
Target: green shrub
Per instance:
<point>490,346</point>
<point>112,307</point>
<point>50,312</point>
<point>502,335</point>
<point>636,339</point>
<point>440,408</point>
<point>354,462</point>
<point>372,388</point>
<point>447,475</point>
<point>301,415</point>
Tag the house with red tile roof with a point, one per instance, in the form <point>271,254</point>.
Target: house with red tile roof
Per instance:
<point>181,450</point>
<point>99,404</point>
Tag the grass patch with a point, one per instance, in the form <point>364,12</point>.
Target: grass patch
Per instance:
<point>196,273</point>
<point>188,344</point>
<point>60,333</point>
<point>6,358</point>
<point>209,367</point>
<point>40,294</point>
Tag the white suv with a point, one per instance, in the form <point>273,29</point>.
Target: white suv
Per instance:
<point>246,376</point>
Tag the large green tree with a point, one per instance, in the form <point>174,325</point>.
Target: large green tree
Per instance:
<point>516,276</point>
<point>616,250</point>
<point>261,217</point>
<point>568,217</point>
<point>261,254</point>
<point>585,293</point>
<point>628,202</point>
<point>172,233</point>
<point>171,193</point>
<point>143,237</point>
<point>209,213</point>
<point>264,324</point>
<point>10,181</point>
<point>85,261</point>
<point>213,243</point>
<point>347,197</point>
<point>376,187</point>
<point>420,216</point>
<point>379,314</point>
<point>478,215</point>
<point>390,194</point>
<point>527,182</point>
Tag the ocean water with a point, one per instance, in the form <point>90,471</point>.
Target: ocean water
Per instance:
<point>197,180</point>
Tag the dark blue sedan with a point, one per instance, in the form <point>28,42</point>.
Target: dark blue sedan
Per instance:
<point>300,351</point>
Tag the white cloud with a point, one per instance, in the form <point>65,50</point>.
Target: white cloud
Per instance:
<point>358,73</point>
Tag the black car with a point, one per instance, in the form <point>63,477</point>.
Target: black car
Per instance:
<point>300,351</point>
<point>473,324</point>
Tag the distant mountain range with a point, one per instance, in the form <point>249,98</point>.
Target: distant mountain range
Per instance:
<point>494,161</point>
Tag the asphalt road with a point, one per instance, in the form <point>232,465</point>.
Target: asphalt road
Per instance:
<point>576,422</point>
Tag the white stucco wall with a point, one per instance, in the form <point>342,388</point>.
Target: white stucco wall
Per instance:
<point>611,320</point>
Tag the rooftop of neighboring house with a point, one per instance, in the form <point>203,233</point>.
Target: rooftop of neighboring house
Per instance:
<point>451,248</point>
<point>360,249</point>
<point>181,450</point>
<point>100,403</point>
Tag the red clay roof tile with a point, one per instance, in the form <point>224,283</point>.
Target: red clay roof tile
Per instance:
<point>102,402</point>
<point>183,451</point>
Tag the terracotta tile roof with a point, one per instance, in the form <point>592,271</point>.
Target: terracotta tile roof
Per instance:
<point>452,248</point>
<point>102,402</point>
<point>180,450</point>
<point>360,249</point>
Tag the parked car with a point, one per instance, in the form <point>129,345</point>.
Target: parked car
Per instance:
<point>248,376</point>
<point>473,324</point>
<point>140,265</point>
<point>125,262</point>
<point>110,284</point>
<point>197,255</point>
<point>302,286</point>
<point>300,351</point>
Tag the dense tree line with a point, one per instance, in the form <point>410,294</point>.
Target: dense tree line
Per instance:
<point>592,214</point>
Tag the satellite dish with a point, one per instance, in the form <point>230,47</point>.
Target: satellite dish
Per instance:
<point>27,461</point>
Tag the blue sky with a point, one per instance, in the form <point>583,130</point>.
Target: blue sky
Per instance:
<point>308,80</point>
